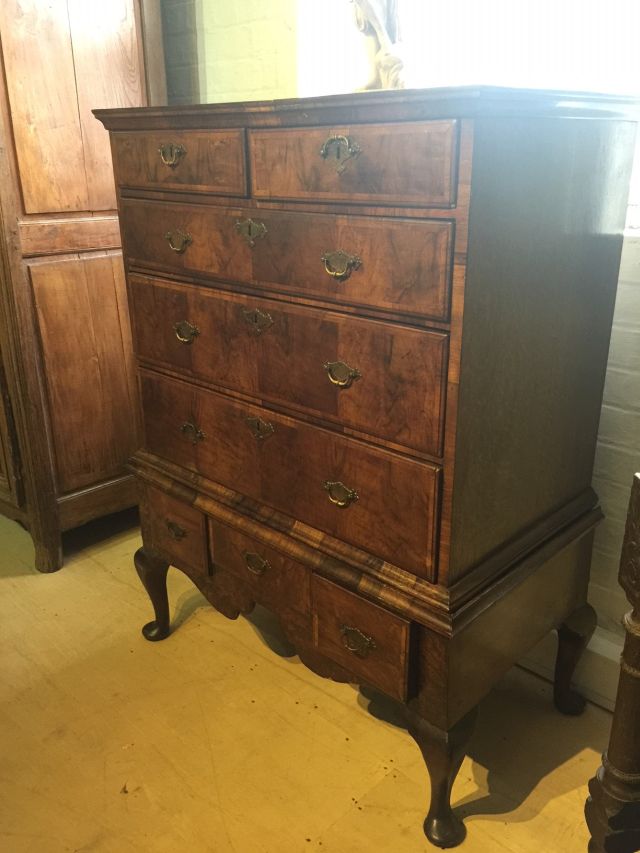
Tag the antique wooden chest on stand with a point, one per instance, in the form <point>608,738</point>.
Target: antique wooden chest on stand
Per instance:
<point>371,334</point>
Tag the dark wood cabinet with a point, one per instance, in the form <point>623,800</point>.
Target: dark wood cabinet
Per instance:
<point>371,333</point>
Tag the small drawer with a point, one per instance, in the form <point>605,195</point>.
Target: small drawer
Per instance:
<point>276,581</point>
<point>174,528</point>
<point>362,637</point>
<point>389,264</point>
<point>405,164</point>
<point>209,161</point>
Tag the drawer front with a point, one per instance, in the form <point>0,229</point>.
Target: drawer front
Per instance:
<point>400,265</point>
<point>174,528</point>
<point>379,501</point>
<point>276,581</point>
<point>406,164</point>
<point>379,378</point>
<point>195,161</point>
<point>362,637</point>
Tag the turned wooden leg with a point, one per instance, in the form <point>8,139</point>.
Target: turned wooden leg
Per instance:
<point>613,807</point>
<point>443,752</point>
<point>152,571</point>
<point>573,637</point>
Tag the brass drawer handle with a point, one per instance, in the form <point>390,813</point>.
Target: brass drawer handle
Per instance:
<point>251,230</point>
<point>171,153</point>
<point>344,149</point>
<point>356,642</point>
<point>186,332</point>
<point>260,429</point>
<point>339,264</point>
<point>178,241</point>
<point>255,563</point>
<point>258,321</point>
<point>339,494</point>
<point>175,531</point>
<point>341,374</point>
<point>191,432</point>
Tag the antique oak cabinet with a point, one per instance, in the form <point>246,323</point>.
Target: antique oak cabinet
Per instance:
<point>371,334</point>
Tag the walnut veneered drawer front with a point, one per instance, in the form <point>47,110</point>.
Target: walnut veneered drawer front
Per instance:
<point>277,582</point>
<point>364,638</point>
<point>398,265</point>
<point>377,500</point>
<point>210,161</point>
<point>382,379</point>
<point>175,528</point>
<point>410,164</point>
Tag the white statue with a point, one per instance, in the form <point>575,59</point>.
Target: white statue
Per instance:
<point>378,21</point>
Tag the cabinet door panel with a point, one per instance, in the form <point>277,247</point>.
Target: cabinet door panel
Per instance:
<point>86,346</point>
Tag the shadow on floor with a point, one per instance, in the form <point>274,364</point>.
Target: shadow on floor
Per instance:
<point>100,529</point>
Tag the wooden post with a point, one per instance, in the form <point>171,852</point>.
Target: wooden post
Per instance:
<point>613,807</point>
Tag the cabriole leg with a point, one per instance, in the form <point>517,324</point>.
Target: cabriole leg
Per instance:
<point>443,752</point>
<point>573,637</point>
<point>152,571</point>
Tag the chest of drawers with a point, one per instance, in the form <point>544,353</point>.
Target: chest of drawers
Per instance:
<point>371,334</point>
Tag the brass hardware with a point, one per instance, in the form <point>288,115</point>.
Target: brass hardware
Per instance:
<point>251,230</point>
<point>337,144</point>
<point>341,374</point>
<point>171,154</point>
<point>339,494</point>
<point>178,241</point>
<point>259,321</point>
<point>357,642</point>
<point>186,332</point>
<point>340,264</point>
<point>175,531</point>
<point>191,432</point>
<point>260,429</point>
<point>255,563</point>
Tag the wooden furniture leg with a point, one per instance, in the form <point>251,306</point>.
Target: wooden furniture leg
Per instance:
<point>152,571</point>
<point>443,752</point>
<point>573,637</point>
<point>613,807</point>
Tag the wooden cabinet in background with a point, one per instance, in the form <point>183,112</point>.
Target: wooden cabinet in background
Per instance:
<point>67,422</point>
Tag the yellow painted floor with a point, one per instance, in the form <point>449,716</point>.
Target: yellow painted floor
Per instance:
<point>214,741</point>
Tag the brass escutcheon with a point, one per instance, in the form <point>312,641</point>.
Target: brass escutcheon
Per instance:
<point>251,230</point>
<point>191,432</point>
<point>175,531</point>
<point>356,642</point>
<point>341,374</point>
<point>258,321</point>
<point>255,563</point>
<point>178,241</point>
<point>186,332</point>
<point>260,429</point>
<point>339,494</point>
<point>339,264</point>
<point>344,149</point>
<point>171,153</point>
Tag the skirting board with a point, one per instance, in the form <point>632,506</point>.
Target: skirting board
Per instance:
<point>597,673</point>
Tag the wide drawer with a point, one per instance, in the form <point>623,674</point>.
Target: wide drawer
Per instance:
<point>362,637</point>
<point>399,265</point>
<point>379,501</point>
<point>407,164</point>
<point>379,378</point>
<point>209,161</point>
<point>276,581</point>
<point>174,528</point>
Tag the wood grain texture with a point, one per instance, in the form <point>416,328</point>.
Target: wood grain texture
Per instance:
<point>174,528</point>
<point>77,303</point>
<point>108,73</point>
<point>394,516</point>
<point>212,162</point>
<point>405,265</point>
<point>396,164</point>
<point>547,282</point>
<point>399,395</point>
<point>60,236</point>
